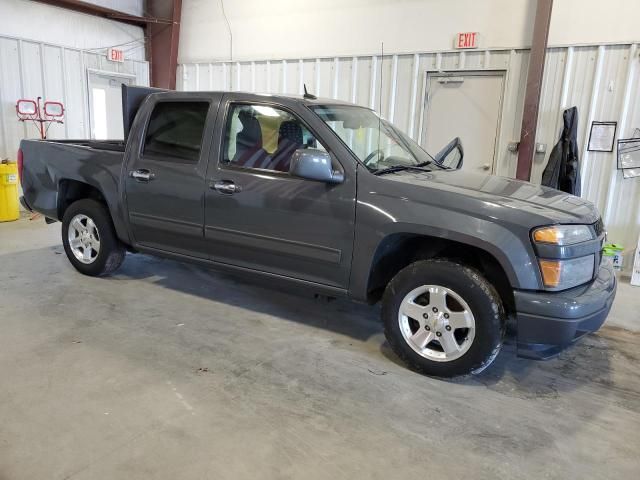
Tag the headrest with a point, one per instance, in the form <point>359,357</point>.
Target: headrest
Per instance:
<point>290,130</point>
<point>250,127</point>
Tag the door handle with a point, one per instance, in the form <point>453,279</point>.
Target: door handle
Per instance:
<point>486,166</point>
<point>225,186</point>
<point>142,175</point>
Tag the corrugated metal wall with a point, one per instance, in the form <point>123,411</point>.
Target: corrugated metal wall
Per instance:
<point>602,81</point>
<point>30,69</point>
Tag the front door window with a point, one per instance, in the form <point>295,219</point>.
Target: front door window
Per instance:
<point>264,137</point>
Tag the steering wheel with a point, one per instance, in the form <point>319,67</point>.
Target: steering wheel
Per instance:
<point>376,153</point>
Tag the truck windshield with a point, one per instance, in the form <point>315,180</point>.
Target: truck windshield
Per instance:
<point>377,143</point>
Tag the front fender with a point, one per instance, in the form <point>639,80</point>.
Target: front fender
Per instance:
<point>508,244</point>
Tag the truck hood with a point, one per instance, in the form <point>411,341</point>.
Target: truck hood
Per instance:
<point>552,204</point>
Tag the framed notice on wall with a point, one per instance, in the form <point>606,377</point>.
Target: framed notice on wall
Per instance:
<point>629,157</point>
<point>628,153</point>
<point>602,136</point>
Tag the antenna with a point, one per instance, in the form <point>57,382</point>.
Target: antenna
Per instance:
<point>308,95</point>
<point>224,14</point>
<point>380,99</point>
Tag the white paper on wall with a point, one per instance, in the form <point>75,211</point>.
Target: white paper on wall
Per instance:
<point>635,276</point>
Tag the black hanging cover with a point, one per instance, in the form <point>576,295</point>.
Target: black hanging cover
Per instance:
<point>563,169</point>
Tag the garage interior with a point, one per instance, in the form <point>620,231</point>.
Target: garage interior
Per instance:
<point>171,370</point>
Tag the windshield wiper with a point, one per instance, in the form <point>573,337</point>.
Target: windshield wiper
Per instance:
<point>424,164</point>
<point>398,168</point>
<point>431,162</point>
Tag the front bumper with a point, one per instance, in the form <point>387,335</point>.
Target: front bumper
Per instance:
<point>547,322</point>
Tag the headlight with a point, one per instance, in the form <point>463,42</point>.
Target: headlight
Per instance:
<point>562,274</point>
<point>562,234</point>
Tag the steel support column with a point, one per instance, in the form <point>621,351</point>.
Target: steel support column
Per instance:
<point>526,149</point>
<point>162,42</point>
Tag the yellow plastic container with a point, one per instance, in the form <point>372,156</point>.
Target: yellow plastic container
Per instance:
<point>9,209</point>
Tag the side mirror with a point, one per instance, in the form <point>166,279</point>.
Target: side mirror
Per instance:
<point>452,155</point>
<point>314,164</point>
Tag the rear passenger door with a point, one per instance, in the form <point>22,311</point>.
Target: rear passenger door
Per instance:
<point>260,217</point>
<point>165,175</point>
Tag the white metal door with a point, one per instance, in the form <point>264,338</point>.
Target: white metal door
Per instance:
<point>105,104</point>
<point>465,105</point>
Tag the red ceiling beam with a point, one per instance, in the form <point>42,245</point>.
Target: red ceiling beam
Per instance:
<point>526,148</point>
<point>104,12</point>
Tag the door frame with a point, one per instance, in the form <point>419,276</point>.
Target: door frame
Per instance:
<point>105,73</point>
<point>434,73</point>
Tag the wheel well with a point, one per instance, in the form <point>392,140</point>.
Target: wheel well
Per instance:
<point>399,250</point>
<point>70,191</point>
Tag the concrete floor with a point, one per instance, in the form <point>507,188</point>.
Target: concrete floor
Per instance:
<point>171,371</point>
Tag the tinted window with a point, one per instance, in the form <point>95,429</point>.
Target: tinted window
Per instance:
<point>264,137</point>
<point>175,130</point>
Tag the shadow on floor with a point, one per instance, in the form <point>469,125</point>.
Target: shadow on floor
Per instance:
<point>587,361</point>
<point>339,315</point>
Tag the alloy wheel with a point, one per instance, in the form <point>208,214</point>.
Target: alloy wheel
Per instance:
<point>436,323</point>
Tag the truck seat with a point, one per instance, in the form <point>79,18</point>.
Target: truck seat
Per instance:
<point>289,140</point>
<point>249,151</point>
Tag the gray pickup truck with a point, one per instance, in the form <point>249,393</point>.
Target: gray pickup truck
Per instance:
<point>328,196</point>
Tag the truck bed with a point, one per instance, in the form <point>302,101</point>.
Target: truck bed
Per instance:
<point>50,166</point>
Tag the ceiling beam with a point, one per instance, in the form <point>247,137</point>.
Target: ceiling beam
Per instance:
<point>526,148</point>
<point>104,12</point>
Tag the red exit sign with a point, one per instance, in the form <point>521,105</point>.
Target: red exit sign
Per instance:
<point>115,55</point>
<point>466,40</point>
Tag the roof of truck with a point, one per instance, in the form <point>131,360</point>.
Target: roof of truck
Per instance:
<point>285,98</point>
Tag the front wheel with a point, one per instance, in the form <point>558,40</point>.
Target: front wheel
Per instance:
<point>443,318</point>
<point>90,240</point>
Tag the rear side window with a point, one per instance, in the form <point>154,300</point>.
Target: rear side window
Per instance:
<point>175,130</point>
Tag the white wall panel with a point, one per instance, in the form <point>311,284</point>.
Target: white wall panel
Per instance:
<point>293,28</point>
<point>10,90</point>
<point>39,22</point>
<point>31,69</point>
<point>602,81</point>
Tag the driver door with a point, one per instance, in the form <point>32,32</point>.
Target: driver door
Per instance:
<point>260,217</point>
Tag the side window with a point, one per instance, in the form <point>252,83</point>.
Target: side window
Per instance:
<point>264,137</point>
<point>175,130</point>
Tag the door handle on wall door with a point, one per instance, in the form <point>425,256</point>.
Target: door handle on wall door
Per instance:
<point>142,175</point>
<point>486,166</point>
<point>224,186</point>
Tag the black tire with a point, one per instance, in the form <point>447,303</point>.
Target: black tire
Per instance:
<point>469,284</point>
<point>111,253</point>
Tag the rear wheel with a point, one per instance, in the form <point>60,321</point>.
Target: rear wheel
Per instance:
<point>443,318</point>
<point>90,240</point>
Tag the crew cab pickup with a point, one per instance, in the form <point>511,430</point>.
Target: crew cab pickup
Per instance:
<point>328,196</point>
